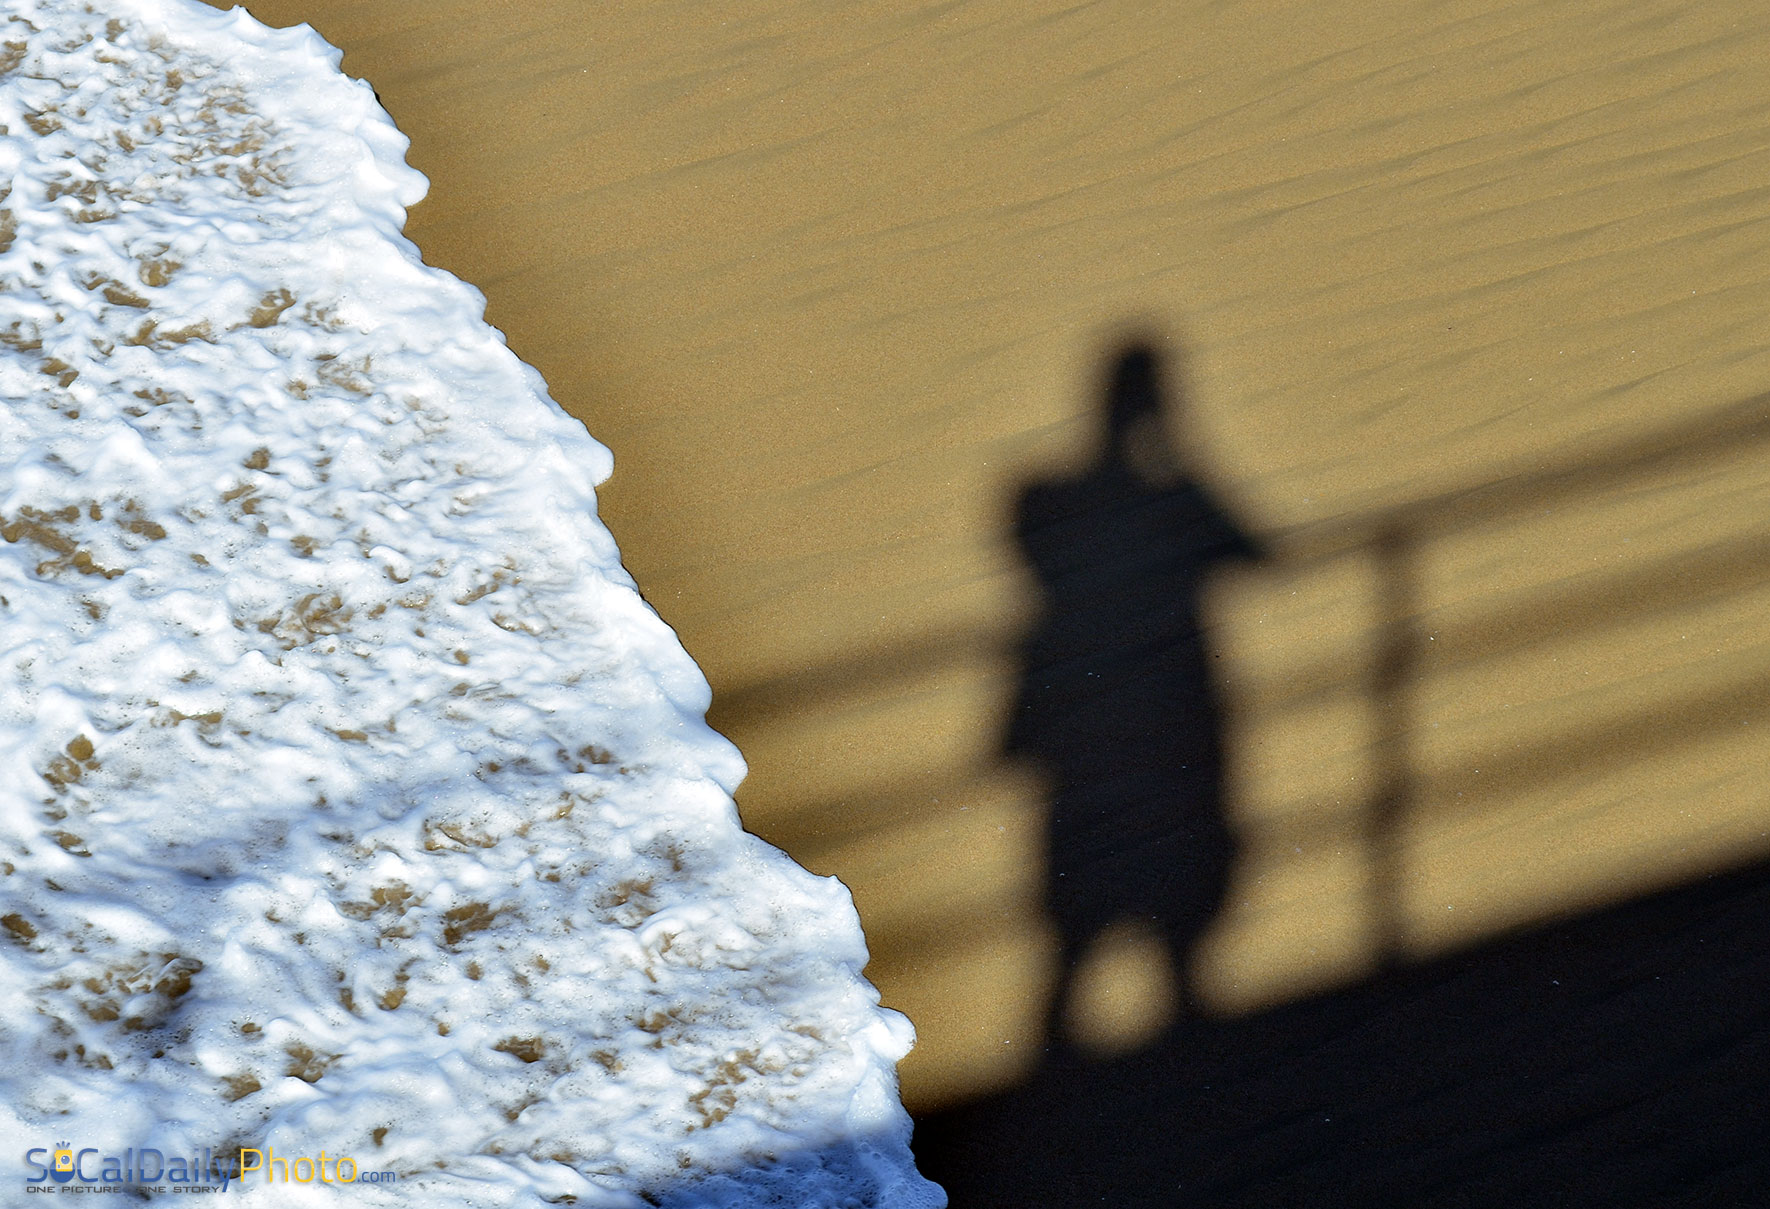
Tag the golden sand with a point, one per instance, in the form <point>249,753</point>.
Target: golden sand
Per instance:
<point>1466,304</point>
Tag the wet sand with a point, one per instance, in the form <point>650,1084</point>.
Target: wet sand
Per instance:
<point>1461,312</point>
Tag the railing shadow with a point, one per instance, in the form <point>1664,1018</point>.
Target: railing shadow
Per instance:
<point>1617,1057</point>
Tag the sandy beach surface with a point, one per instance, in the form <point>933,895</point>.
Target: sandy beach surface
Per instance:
<point>1451,316</point>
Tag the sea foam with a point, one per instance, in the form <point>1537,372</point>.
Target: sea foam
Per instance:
<point>354,801</point>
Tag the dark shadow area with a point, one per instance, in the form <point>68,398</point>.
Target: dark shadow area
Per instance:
<point>1616,1058</point>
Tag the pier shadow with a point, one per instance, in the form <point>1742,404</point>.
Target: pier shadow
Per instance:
<point>1619,1057</point>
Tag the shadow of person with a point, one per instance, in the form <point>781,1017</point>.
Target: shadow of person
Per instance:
<point>1117,705</point>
